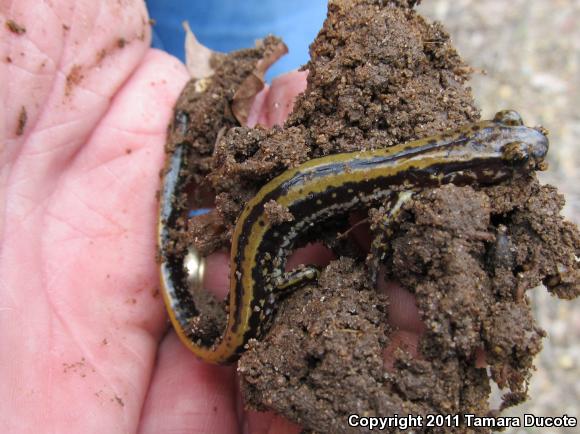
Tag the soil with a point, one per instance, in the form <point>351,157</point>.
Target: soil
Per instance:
<point>22,119</point>
<point>15,28</point>
<point>381,75</point>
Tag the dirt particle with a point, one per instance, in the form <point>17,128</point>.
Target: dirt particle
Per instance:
<point>119,401</point>
<point>74,77</point>
<point>15,27</point>
<point>22,119</point>
<point>101,54</point>
<point>75,367</point>
<point>276,213</point>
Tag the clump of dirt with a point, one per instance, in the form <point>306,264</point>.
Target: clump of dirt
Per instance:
<point>15,28</point>
<point>380,75</point>
<point>202,114</point>
<point>203,110</point>
<point>461,256</point>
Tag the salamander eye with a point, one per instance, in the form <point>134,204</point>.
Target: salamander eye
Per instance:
<point>509,117</point>
<point>516,152</point>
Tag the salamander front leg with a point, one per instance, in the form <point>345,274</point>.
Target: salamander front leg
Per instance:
<point>385,231</point>
<point>295,279</point>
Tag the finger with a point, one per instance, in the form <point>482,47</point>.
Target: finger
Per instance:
<point>311,254</point>
<point>217,274</point>
<point>268,423</point>
<point>400,340</point>
<point>188,395</point>
<point>403,316</point>
<point>402,312</point>
<point>360,231</point>
<point>274,104</point>
<point>256,113</point>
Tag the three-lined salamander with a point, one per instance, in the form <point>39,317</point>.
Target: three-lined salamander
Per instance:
<point>484,153</point>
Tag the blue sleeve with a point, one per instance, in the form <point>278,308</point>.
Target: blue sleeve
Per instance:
<point>226,25</point>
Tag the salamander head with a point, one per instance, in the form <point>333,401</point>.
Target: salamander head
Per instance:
<point>529,152</point>
<point>528,146</point>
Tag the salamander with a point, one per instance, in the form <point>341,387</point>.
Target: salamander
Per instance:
<point>483,153</point>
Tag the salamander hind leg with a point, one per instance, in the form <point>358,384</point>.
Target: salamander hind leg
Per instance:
<point>379,245</point>
<point>295,279</point>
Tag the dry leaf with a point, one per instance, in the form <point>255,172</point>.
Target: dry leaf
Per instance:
<point>254,83</point>
<point>197,56</point>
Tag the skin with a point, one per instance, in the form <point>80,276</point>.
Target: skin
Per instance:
<point>89,349</point>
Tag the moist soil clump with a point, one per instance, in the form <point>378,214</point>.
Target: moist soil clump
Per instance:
<point>379,75</point>
<point>203,112</point>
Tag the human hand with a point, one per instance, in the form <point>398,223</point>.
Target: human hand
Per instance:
<point>82,326</point>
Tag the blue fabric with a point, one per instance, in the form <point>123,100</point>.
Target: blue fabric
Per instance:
<point>198,211</point>
<point>226,25</point>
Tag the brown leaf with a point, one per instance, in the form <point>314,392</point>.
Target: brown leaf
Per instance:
<point>254,83</point>
<point>197,56</point>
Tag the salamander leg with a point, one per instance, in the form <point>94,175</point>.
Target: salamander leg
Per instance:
<point>379,244</point>
<point>297,278</point>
